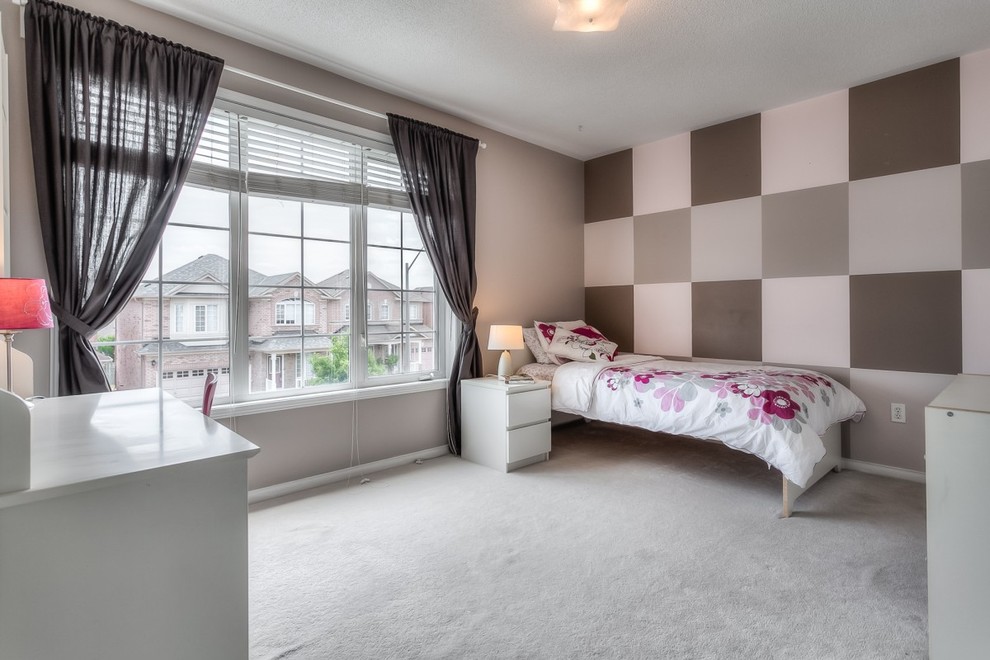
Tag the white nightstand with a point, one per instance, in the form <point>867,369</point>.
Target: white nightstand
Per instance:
<point>505,426</point>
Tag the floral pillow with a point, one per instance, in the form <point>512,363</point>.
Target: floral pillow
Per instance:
<point>545,332</point>
<point>534,346</point>
<point>583,345</point>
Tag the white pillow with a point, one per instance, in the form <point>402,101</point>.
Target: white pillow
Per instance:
<point>545,331</point>
<point>580,347</point>
<point>533,344</point>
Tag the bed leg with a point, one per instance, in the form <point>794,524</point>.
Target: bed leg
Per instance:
<point>788,503</point>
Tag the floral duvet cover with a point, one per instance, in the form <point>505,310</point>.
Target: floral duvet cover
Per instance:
<point>776,413</point>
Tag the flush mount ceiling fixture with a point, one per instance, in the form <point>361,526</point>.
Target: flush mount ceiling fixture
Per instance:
<point>588,15</point>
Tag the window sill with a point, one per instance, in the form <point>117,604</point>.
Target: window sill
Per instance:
<point>229,410</point>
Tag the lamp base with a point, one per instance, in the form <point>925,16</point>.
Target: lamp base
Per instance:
<point>8,336</point>
<point>505,366</point>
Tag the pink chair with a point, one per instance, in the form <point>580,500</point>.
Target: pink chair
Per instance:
<point>209,390</point>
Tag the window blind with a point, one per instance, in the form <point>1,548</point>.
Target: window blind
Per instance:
<point>259,157</point>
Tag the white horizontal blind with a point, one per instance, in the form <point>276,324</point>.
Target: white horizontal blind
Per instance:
<point>290,162</point>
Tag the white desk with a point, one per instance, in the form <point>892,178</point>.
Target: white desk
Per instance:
<point>957,454</point>
<point>132,540</point>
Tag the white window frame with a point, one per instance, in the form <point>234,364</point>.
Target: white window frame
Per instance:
<point>211,318</point>
<point>361,385</point>
<point>178,319</point>
<point>308,311</point>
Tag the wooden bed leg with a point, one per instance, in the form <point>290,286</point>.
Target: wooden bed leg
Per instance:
<point>790,492</point>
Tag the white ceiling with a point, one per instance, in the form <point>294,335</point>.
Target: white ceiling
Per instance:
<point>672,65</point>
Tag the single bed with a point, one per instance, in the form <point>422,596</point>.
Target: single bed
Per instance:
<point>788,417</point>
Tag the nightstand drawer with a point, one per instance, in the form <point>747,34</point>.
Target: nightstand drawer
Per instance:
<point>527,407</point>
<point>527,442</point>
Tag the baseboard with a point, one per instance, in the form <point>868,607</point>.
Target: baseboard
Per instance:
<point>883,470</point>
<point>317,480</point>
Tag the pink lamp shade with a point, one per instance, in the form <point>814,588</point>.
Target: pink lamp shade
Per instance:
<point>24,304</point>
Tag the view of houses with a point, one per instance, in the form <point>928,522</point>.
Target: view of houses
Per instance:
<point>299,331</point>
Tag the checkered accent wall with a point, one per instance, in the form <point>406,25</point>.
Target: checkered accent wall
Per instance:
<point>849,233</point>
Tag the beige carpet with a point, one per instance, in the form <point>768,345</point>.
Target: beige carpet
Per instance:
<point>626,544</point>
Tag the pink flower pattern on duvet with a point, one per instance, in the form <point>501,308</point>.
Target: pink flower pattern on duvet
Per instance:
<point>772,397</point>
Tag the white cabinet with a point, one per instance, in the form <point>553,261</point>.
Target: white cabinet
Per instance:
<point>505,426</point>
<point>957,454</point>
<point>131,541</point>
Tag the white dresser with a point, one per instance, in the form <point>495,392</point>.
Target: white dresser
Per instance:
<point>505,426</point>
<point>957,455</point>
<point>131,541</point>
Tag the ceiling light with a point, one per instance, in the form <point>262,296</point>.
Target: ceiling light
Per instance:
<point>588,15</point>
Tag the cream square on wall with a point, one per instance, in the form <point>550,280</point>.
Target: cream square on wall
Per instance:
<point>806,321</point>
<point>806,145</point>
<point>662,175</point>
<point>727,240</point>
<point>662,323</point>
<point>608,252</point>
<point>976,321</point>
<point>974,107</point>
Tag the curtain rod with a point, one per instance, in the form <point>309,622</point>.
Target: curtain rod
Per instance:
<point>299,90</point>
<point>313,95</point>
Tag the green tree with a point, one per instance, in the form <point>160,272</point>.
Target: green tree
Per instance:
<point>107,350</point>
<point>332,366</point>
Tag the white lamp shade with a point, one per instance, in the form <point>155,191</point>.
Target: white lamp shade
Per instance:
<point>506,338</point>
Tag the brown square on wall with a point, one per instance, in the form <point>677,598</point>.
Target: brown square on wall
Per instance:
<point>662,247</point>
<point>610,309</point>
<point>725,161</point>
<point>608,187</point>
<point>806,232</point>
<point>727,320</point>
<point>976,214</point>
<point>907,322</point>
<point>905,122</point>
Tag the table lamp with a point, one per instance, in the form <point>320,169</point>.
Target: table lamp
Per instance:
<point>23,306</point>
<point>505,338</point>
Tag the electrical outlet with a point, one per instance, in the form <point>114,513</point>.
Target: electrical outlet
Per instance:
<point>898,413</point>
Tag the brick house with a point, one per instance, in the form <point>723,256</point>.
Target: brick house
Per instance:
<point>284,311</point>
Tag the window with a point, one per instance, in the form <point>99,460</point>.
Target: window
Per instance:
<point>320,226</point>
<point>287,312</point>
<point>207,318</point>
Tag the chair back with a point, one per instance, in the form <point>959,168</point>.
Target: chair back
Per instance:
<point>209,390</point>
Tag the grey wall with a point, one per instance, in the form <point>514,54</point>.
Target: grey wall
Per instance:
<point>530,236</point>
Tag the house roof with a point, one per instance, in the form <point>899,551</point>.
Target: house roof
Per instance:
<point>214,269</point>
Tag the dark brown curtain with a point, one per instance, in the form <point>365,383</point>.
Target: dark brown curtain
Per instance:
<point>438,170</point>
<point>115,118</point>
